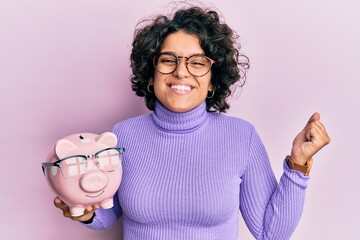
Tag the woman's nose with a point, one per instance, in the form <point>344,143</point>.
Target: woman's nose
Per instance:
<point>181,70</point>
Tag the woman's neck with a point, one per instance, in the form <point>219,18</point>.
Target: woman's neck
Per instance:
<point>183,122</point>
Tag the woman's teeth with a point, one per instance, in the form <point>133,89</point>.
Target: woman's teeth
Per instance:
<point>181,87</point>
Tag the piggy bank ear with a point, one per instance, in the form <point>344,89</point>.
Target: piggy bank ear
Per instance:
<point>108,139</point>
<point>62,147</point>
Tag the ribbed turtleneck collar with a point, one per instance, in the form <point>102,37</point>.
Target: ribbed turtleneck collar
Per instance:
<point>183,122</point>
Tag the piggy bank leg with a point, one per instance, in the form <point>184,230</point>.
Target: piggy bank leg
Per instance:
<point>76,211</point>
<point>107,203</point>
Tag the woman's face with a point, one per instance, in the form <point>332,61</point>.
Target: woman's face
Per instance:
<point>180,91</point>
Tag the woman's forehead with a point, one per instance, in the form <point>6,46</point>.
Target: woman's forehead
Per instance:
<point>182,43</point>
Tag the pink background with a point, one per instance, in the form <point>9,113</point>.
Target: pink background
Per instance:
<point>64,69</point>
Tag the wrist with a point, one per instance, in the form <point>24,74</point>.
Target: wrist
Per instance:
<point>303,168</point>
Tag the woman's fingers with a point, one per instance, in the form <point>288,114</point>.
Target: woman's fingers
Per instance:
<point>88,213</point>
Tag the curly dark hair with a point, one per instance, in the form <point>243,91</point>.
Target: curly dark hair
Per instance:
<point>216,39</point>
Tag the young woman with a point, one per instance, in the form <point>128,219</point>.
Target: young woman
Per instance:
<point>188,168</point>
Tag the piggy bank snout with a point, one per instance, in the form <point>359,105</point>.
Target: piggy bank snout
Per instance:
<point>94,181</point>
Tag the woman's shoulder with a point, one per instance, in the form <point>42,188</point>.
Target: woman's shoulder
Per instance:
<point>235,128</point>
<point>231,121</point>
<point>131,123</point>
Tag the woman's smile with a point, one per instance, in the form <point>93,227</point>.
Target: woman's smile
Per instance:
<point>181,88</point>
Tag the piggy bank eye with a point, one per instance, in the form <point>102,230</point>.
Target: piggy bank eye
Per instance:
<point>109,160</point>
<point>74,167</point>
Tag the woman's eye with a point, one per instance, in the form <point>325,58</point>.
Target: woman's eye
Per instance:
<point>168,61</point>
<point>197,63</point>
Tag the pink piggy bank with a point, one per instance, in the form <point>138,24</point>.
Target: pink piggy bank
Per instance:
<point>85,169</point>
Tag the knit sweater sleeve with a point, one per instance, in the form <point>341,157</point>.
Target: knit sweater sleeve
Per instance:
<point>271,210</point>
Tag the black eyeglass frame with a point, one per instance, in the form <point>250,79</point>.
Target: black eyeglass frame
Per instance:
<point>95,155</point>
<point>186,62</point>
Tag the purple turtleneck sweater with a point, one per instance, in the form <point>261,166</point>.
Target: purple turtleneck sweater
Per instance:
<point>186,175</point>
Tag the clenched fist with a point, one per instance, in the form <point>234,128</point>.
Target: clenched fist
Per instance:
<point>309,141</point>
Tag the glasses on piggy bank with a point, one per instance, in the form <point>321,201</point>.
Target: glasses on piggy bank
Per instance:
<point>75,167</point>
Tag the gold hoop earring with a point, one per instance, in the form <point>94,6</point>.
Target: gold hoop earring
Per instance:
<point>212,95</point>
<point>148,88</point>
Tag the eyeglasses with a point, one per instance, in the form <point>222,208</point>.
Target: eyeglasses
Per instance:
<point>74,167</point>
<point>198,64</point>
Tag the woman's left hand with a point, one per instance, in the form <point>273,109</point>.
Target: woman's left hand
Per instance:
<point>309,141</point>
